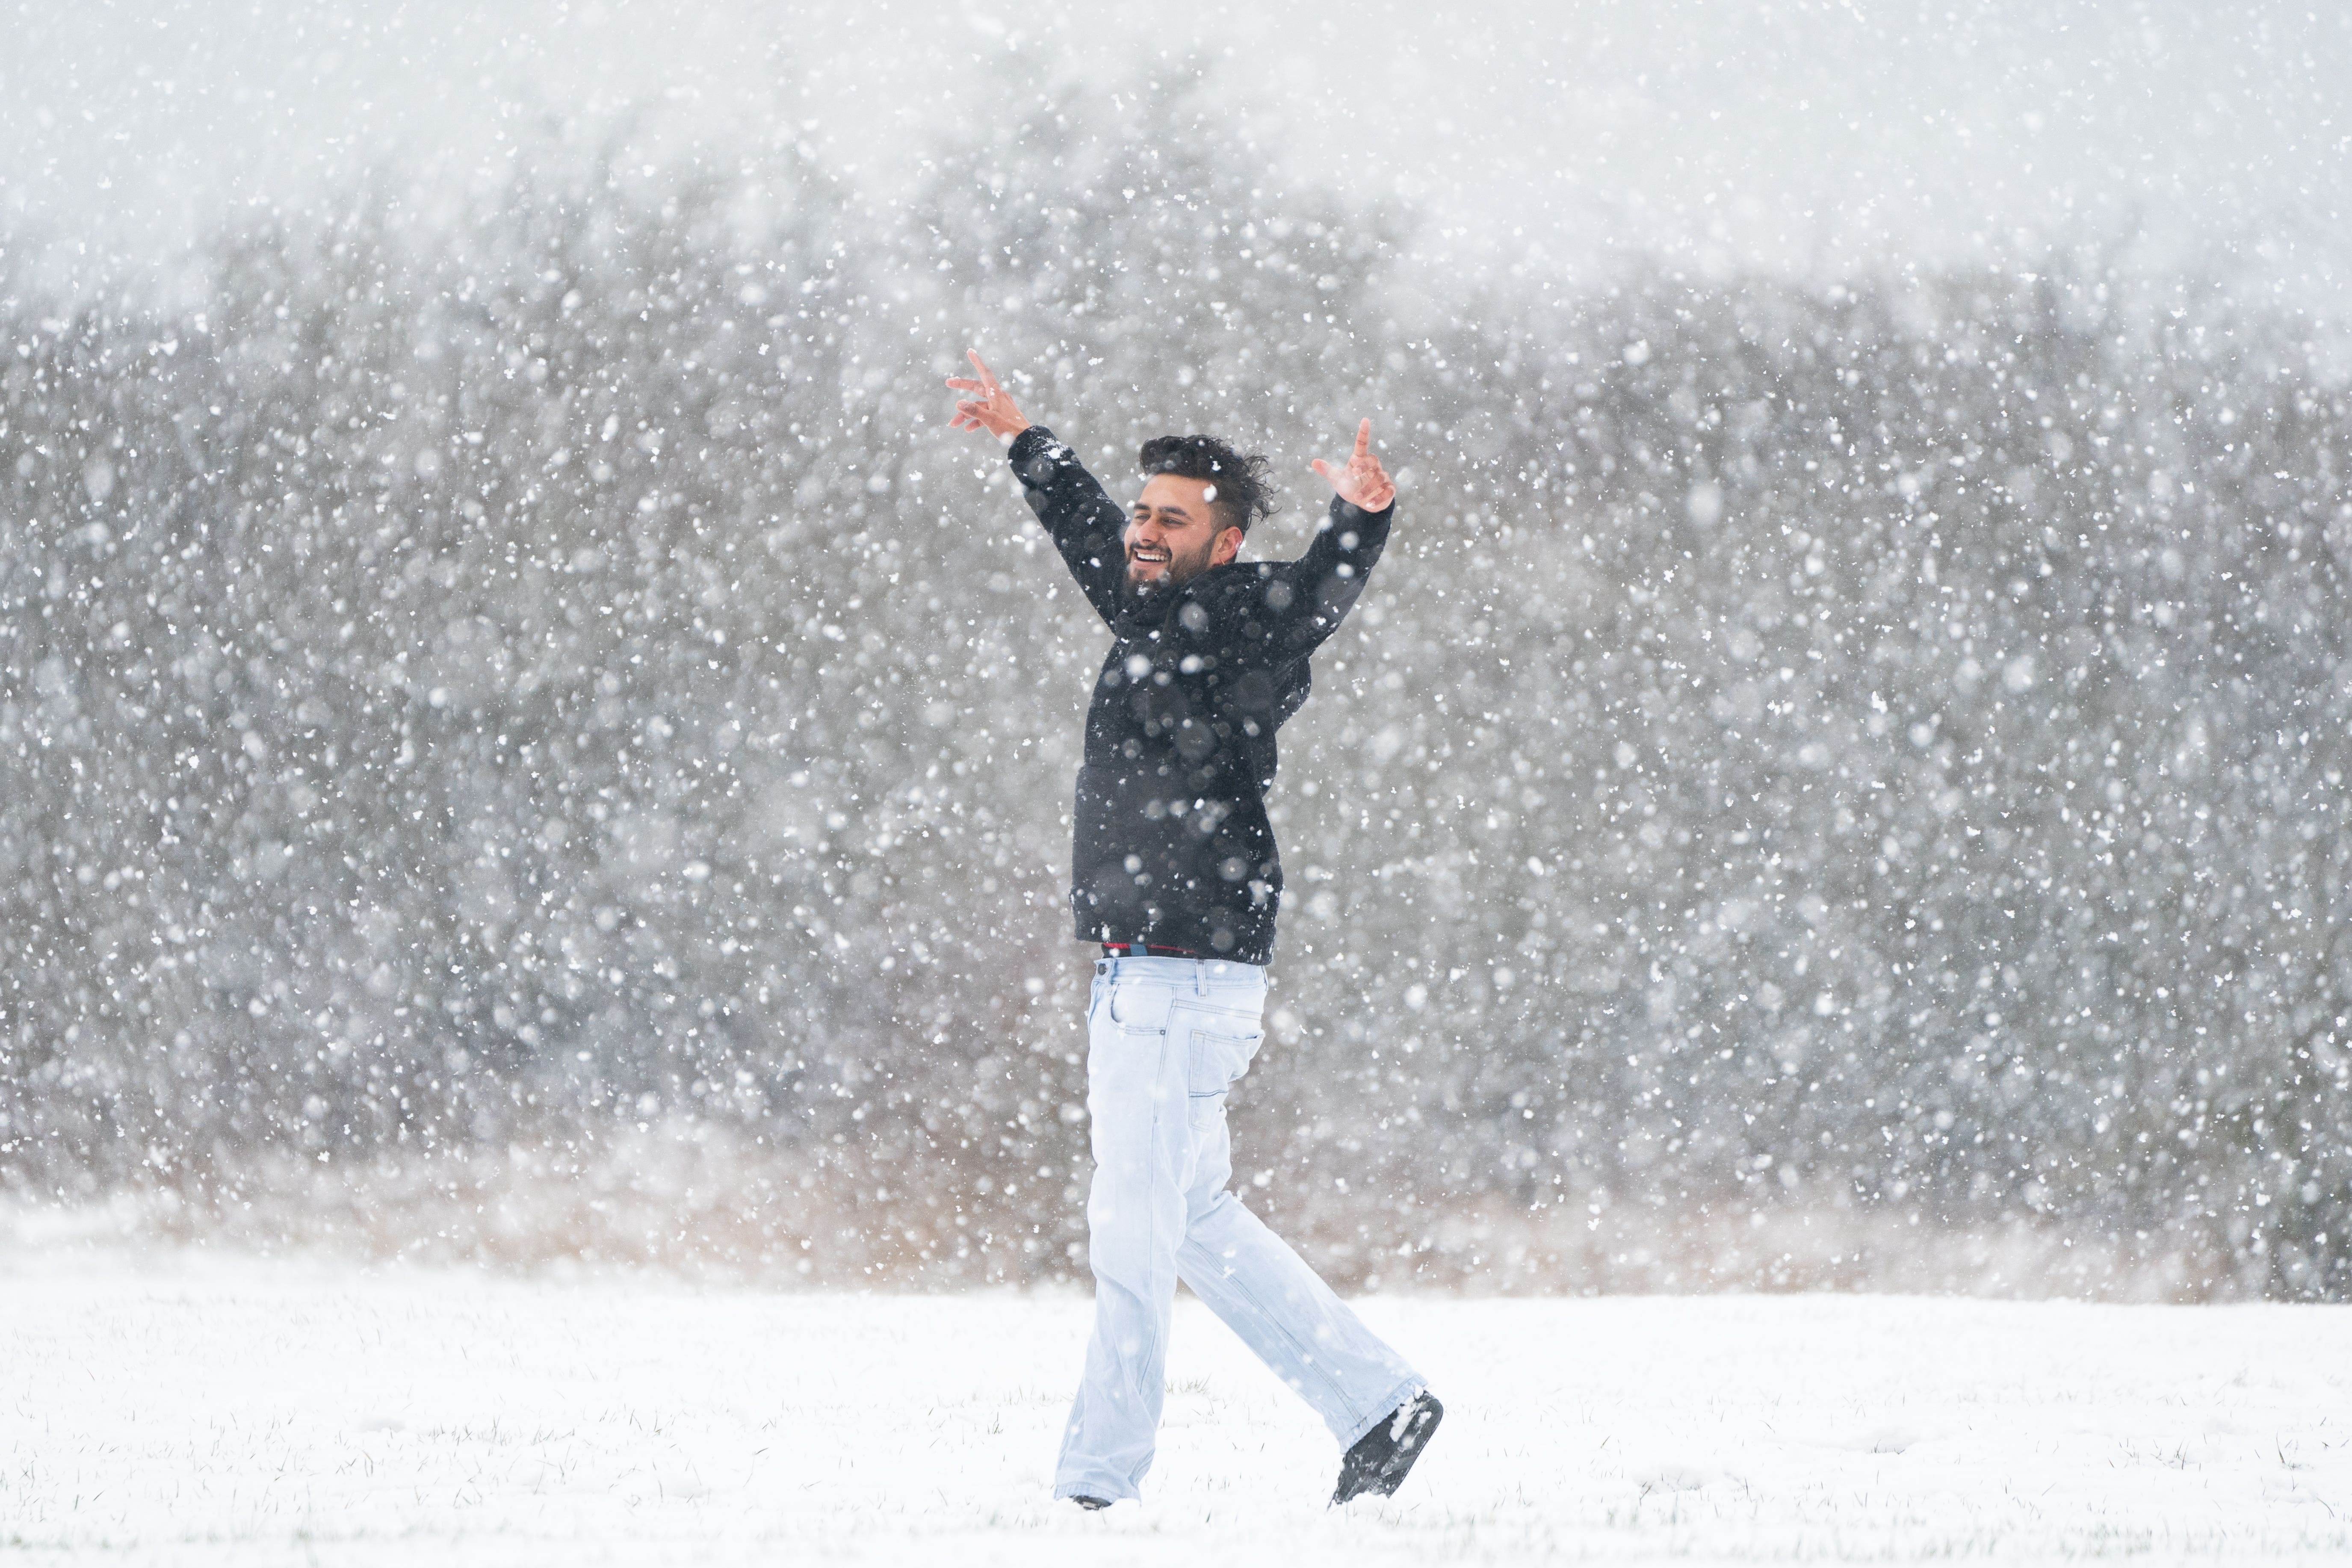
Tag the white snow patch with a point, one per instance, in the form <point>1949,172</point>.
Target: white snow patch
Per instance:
<point>201,1411</point>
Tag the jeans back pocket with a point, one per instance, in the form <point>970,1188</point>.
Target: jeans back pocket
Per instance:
<point>1217,1059</point>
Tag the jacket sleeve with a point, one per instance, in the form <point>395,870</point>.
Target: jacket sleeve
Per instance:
<point>1281,611</point>
<point>1085,523</point>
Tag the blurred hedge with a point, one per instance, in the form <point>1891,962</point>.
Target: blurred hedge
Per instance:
<point>1871,746</point>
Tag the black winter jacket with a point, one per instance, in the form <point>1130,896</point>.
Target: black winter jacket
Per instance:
<point>1171,844</point>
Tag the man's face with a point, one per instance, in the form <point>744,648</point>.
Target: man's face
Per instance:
<point>1174,533</point>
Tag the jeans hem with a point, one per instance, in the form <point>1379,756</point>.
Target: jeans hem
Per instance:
<point>1388,1408</point>
<point>1121,1492</point>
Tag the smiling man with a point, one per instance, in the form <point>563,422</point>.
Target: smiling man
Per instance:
<point>1174,871</point>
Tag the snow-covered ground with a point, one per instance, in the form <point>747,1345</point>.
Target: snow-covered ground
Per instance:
<point>205,1412</point>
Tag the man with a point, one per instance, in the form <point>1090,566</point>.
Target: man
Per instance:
<point>1174,869</point>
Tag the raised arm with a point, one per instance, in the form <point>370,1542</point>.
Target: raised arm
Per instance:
<point>1363,502</point>
<point>1086,525</point>
<point>1283,611</point>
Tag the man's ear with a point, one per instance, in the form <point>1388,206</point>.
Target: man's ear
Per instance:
<point>1228,545</point>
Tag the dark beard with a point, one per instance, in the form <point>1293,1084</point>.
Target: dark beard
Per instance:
<point>1181,571</point>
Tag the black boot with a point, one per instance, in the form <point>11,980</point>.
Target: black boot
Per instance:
<point>1382,1456</point>
<point>1091,1504</point>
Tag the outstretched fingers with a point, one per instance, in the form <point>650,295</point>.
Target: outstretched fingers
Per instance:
<point>984,405</point>
<point>1363,440</point>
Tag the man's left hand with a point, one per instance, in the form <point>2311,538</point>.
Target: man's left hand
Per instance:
<point>1364,483</point>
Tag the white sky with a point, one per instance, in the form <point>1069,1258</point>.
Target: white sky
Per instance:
<point>1794,135</point>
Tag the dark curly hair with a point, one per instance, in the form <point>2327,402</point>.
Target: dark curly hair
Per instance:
<point>1244,488</point>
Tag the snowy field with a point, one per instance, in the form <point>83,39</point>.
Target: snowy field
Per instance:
<point>207,1412</point>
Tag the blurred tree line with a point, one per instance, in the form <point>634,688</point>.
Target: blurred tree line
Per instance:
<point>1871,748</point>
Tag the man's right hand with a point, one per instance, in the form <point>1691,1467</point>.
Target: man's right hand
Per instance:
<point>991,410</point>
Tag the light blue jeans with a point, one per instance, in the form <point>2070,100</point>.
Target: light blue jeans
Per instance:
<point>1166,1038</point>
